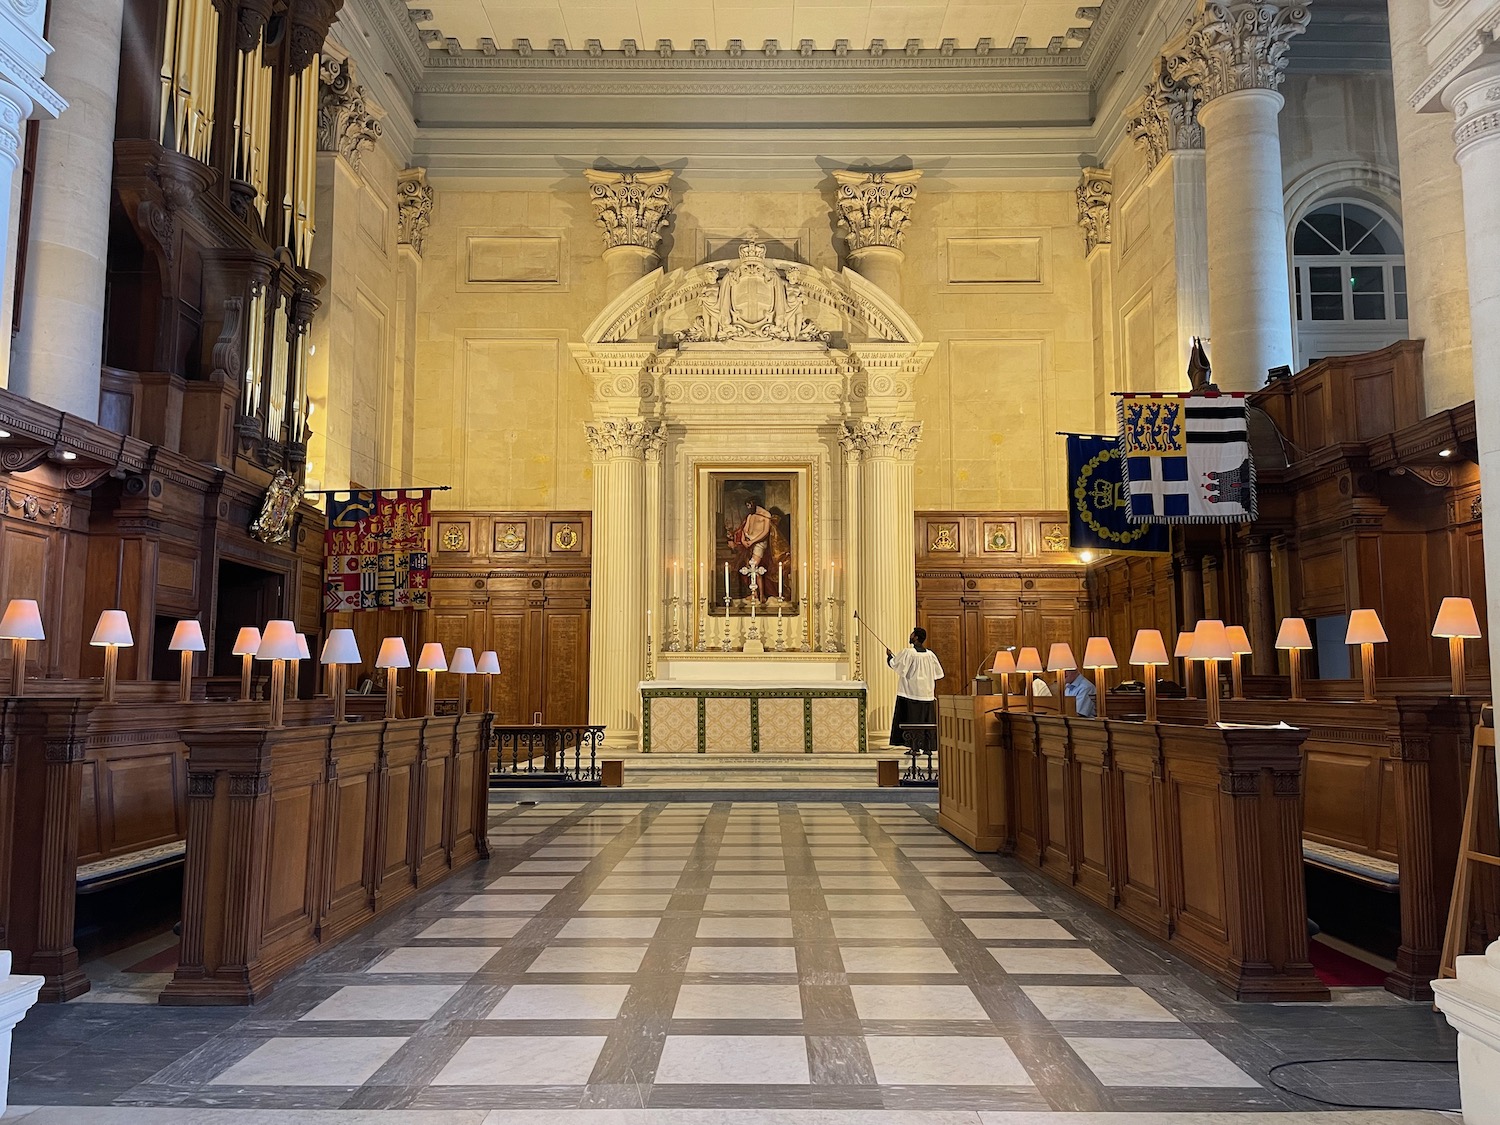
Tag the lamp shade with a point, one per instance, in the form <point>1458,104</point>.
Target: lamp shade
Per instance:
<point>248,641</point>
<point>1029,661</point>
<point>279,642</point>
<point>463,662</point>
<point>1293,634</point>
<point>1211,641</point>
<point>1239,640</point>
<point>113,629</point>
<point>303,652</point>
<point>1099,653</point>
<point>433,659</point>
<point>392,654</point>
<point>1149,648</point>
<point>340,648</point>
<point>1060,657</point>
<point>1184,644</point>
<point>1005,662</point>
<point>1456,618</point>
<point>22,621</point>
<point>187,637</point>
<point>489,663</point>
<point>1364,628</point>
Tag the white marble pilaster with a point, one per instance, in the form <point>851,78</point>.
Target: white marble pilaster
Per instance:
<point>617,605</point>
<point>17,995</point>
<point>652,448</point>
<point>1187,168</point>
<point>58,351</point>
<point>887,568</point>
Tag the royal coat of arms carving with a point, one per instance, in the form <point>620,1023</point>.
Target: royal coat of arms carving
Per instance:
<point>274,523</point>
<point>753,299</point>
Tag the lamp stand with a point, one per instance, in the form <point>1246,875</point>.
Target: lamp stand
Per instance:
<point>1062,694</point>
<point>18,667</point>
<point>1367,670</point>
<point>463,694</point>
<point>185,684</point>
<point>1030,694</point>
<point>1005,691</point>
<point>1187,677</point>
<point>1295,656</point>
<point>1456,665</point>
<point>293,679</point>
<point>338,693</point>
<point>1236,680</point>
<point>1101,707</point>
<point>278,694</point>
<point>111,669</point>
<point>1151,693</point>
<point>431,692</point>
<point>390,693</point>
<point>245,677</point>
<point>489,693</point>
<point>1211,690</point>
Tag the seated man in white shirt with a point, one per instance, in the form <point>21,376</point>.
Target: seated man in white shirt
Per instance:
<point>917,672</point>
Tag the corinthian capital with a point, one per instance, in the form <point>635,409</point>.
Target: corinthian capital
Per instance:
<point>882,437</point>
<point>1165,119</point>
<point>621,437</point>
<point>348,124</point>
<point>1094,192</point>
<point>630,207</point>
<point>1237,45</point>
<point>874,207</point>
<point>413,208</point>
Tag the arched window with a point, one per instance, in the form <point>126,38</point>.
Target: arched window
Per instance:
<point>1349,279</point>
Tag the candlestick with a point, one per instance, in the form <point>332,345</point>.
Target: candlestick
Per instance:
<point>728,641</point>
<point>780,636</point>
<point>726,588</point>
<point>703,626</point>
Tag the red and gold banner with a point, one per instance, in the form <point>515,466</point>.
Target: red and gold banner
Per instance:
<point>375,551</point>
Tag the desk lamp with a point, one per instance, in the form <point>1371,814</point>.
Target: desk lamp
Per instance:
<point>339,650</point>
<point>1239,647</point>
<point>463,667</point>
<point>187,639</point>
<point>1149,651</point>
<point>1184,652</point>
<point>278,644</point>
<point>112,634</point>
<point>1005,664</point>
<point>22,623</point>
<point>489,667</point>
<point>432,661</point>
<point>1366,631</point>
<point>1294,639</point>
<point>1029,663</point>
<point>1060,661</point>
<point>392,657</point>
<point>1456,620</point>
<point>1211,645</point>
<point>245,646</point>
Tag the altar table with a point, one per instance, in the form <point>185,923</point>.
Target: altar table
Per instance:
<point>760,718</point>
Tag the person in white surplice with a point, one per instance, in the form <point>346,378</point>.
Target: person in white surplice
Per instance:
<point>917,673</point>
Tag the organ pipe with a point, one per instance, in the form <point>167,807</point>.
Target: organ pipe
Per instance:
<point>252,123</point>
<point>300,191</point>
<point>189,72</point>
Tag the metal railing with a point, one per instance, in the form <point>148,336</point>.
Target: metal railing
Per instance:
<point>547,754</point>
<point>920,740</point>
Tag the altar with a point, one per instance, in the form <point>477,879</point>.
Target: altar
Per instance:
<point>733,716</point>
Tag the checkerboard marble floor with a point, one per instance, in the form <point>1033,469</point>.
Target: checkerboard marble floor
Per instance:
<point>820,963</point>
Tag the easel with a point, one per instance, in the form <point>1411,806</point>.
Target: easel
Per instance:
<point>1480,808</point>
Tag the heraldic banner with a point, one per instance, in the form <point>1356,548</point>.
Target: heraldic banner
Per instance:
<point>1097,509</point>
<point>1187,458</point>
<point>375,551</point>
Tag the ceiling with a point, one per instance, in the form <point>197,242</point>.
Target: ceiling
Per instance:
<point>825,22</point>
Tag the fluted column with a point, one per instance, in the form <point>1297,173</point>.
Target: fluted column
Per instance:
<point>1474,98</point>
<point>59,349</point>
<point>617,602</point>
<point>1233,60</point>
<point>652,447</point>
<point>887,553</point>
<point>631,209</point>
<point>1164,125</point>
<point>874,209</point>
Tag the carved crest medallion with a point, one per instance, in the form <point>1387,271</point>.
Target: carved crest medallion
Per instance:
<point>274,523</point>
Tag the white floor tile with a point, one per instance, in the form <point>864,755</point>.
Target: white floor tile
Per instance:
<point>384,1002</point>
<point>895,959</point>
<point>742,959</point>
<point>435,959</point>
<point>916,1002</point>
<point>1096,1002</point>
<point>590,959</point>
<point>1159,1062</point>
<point>777,1060</point>
<point>738,1002</point>
<point>522,1060</point>
<point>320,1061</point>
<point>561,1002</point>
<point>945,1060</point>
<point>1058,961</point>
<point>609,928</point>
<point>740,927</point>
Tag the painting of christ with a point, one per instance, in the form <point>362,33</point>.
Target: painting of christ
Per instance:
<point>755,541</point>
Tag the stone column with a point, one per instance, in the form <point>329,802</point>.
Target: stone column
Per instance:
<point>617,603</point>
<point>1432,221</point>
<point>887,554</point>
<point>59,349</point>
<point>1164,125</point>
<point>348,127</point>
<point>1474,98</point>
<point>652,447</point>
<point>1233,61</point>
<point>874,209</point>
<point>631,209</point>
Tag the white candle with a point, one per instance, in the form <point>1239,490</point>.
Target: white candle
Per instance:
<point>778,579</point>
<point>806,594</point>
<point>726,580</point>
<point>648,624</point>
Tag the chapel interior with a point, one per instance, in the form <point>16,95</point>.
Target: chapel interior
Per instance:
<point>475,476</point>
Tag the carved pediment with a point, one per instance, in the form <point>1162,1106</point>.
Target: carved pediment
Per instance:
<point>754,301</point>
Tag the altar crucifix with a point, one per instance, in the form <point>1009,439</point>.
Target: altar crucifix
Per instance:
<point>752,574</point>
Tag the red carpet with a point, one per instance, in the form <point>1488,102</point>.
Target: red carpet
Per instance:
<point>1339,970</point>
<point>163,962</point>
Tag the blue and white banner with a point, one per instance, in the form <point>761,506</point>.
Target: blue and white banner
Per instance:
<point>1097,512</point>
<point>1187,458</point>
